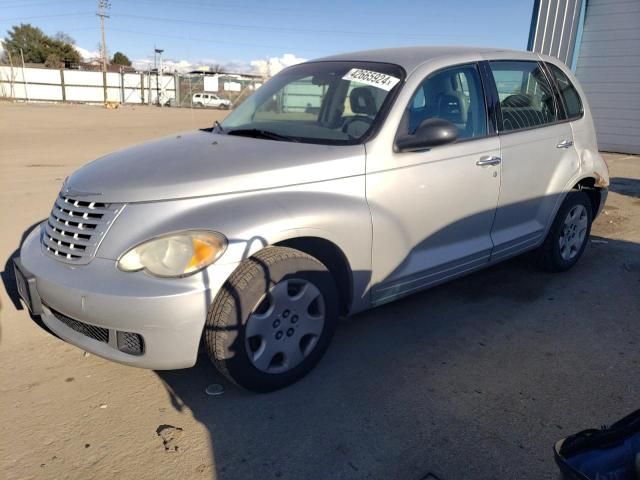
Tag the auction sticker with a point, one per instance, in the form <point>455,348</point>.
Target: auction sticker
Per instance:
<point>368,77</point>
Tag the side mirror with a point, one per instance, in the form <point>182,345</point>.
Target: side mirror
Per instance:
<point>431,133</point>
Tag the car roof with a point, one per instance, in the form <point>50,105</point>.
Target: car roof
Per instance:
<point>411,57</point>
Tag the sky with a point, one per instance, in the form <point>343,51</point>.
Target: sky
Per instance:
<point>254,35</point>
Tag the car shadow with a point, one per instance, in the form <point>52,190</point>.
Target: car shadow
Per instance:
<point>476,378</point>
<point>625,186</point>
<point>9,279</point>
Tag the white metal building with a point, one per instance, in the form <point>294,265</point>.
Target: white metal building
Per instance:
<point>600,41</point>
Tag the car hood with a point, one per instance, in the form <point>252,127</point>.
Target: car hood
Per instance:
<point>203,163</point>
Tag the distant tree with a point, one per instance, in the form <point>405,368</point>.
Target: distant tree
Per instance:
<point>65,37</point>
<point>37,46</point>
<point>120,58</point>
<point>30,39</point>
<point>67,53</point>
<point>53,61</point>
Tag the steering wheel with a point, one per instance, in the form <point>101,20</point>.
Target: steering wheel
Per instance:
<point>356,118</point>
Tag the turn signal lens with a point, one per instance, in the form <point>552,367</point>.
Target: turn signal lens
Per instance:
<point>175,255</point>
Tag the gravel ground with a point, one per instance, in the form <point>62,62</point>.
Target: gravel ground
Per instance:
<point>474,379</point>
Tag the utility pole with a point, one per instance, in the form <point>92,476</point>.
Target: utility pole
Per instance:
<point>159,87</point>
<point>103,5</point>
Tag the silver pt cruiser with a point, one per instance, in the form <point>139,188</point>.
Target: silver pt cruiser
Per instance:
<point>341,184</point>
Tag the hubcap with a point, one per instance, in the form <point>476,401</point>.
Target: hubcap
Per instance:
<point>285,326</point>
<point>574,232</point>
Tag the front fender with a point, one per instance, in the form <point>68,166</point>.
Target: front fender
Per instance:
<point>335,210</point>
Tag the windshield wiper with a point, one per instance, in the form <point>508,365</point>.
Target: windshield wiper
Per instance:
<point>218,125</point>
<point>260,133</point>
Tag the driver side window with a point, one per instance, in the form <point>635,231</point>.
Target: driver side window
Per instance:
<point>455,95</point>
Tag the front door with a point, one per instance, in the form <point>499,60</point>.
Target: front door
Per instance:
<point>432,211</point>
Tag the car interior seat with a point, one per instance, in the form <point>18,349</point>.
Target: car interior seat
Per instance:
<point>518,112</point>
<point>363,105</point>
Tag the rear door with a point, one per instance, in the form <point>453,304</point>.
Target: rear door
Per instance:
<point>538,156</point>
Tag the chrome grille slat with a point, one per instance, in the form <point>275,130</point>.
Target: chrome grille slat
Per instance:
<point>59,234</point>
<point>75,228</point>
<point>73,218</point>
<point>92,207</point>
<point>60,255</point>
<point>59,221</point>
<point>49,242</point>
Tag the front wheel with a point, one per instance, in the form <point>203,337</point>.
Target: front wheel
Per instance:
<point>273,319</point>
<point>568,235</point>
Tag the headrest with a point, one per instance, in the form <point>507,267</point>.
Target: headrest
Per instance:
<point>362,101</point>
<point>449,108</point>
<point>517,100</point>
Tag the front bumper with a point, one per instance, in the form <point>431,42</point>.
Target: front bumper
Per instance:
<point>169,314</point>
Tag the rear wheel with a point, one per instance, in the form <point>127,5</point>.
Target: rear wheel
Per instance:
<point>273,320</point>
<point>568,235</point>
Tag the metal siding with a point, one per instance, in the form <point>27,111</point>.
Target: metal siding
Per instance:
<point>572,34</point>
<point>608,68</point>
<point>554,28</point>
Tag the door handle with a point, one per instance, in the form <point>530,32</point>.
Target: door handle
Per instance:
<point>488,160</point>
<point>564,144</point>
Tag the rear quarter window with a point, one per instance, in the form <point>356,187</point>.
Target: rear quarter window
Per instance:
<point>569,94</point>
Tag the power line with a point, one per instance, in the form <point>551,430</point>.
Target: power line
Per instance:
<point>17,19</point>
<point>38,3</point>
<point>226,6</point>
<point>286,29</point>
<point>207,40</point>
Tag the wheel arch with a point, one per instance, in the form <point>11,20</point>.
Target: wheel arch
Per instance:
<point>332,256</point>
<point>589,186</point>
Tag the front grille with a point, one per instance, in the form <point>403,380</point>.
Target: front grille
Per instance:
<point>97,333</point>
<point>76,227</point>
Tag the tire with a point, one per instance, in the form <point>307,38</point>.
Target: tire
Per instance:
<point>566,240</point>
<point>259,310</point>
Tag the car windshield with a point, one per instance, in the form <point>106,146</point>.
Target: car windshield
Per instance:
<point>331,103</point>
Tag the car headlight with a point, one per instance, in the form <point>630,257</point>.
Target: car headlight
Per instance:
<point>176,254</point>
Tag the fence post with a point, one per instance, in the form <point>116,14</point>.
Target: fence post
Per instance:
<point>176,90</point>
<point>149,89</point>
<point>104,84</point>
<point>24,78</point>
<point>141,88</point>
<point>64,92</point>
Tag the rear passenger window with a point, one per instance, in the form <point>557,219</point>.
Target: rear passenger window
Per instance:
<point>572,101</point>
<point>454,94</point>
<point>526,98</point>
